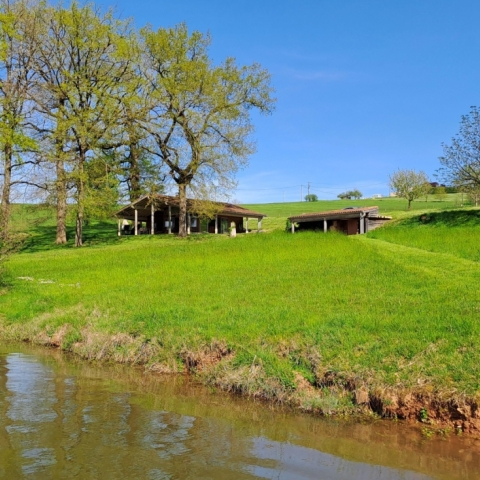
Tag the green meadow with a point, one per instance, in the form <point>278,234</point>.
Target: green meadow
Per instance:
<point>397,308</point>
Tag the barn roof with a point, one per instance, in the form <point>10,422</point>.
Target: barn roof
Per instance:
<point>345,213</point>
<point>143,203</point>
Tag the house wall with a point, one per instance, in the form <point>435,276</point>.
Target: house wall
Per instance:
<point>162,216</point>
<point>238,222</point>
<point>353,226</point>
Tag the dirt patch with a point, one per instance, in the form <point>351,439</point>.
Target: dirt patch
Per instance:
<point>205,357</point>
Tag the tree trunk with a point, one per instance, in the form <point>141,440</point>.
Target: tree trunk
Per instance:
<point>409,203</point>
<point>134,172</point>
<point>80,201</point>
<point>182,195</point>
<point>61,191</point>
<point>7,185</point>
<point>79,230</point>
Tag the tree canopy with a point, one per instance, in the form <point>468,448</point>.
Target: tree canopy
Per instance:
<point>105,110</point>
<point>409,184</point>
<point>349,194</point>
<point>461,159</point>
<point>200,119</point>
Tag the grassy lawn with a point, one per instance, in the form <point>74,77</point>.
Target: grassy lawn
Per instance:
<point>454,232</point>
<point>398,307</point>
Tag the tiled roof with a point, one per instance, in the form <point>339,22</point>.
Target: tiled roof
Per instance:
<point>166,200</point>
<point>331,213</point>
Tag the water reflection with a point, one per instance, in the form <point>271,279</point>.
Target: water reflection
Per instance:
<point>59,419</point>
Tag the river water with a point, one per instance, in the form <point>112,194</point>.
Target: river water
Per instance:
<point>63,418</point>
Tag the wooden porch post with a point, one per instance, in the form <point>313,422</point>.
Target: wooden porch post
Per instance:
<point>152,219</point>
<point>362,224</point>
<point>325,225</point>
<point>260,223</point>
<point>169,219</point>
<point>293,227</point>
<point>246,225</point>
<point>119,227</point>
<point>216,223</point>
<point>188,223</point>
<point>136,222</point>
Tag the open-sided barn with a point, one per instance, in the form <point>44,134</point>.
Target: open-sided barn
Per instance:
<point>351,220</point>
<point>155,214</point>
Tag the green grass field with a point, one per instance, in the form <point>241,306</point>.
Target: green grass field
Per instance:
<point>398,307</point>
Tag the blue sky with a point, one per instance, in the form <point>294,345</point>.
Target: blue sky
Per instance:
<point>363,87</point>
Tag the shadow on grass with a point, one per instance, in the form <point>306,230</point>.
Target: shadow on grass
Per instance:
<point>42,237</point>
<point>449,218</point>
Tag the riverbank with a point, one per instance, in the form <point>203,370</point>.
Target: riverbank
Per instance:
<point>329,324</point>
<point>333,394</point>
<point>149,422</point>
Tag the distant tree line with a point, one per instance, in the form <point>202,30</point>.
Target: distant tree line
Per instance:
<point>349,194</point>
<point>91,107</point>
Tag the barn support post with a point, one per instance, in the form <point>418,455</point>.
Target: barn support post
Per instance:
<point>246,225</point>
<point>136,222</point>
<point>169,219</point>
<point>362,224</point>
<point>325,227</point>
<point>216,224</point>
<point>189,223</point>
<point>152,219</point>
<point>260,224</point>
<point>293,227</point>
<point>119,227</point>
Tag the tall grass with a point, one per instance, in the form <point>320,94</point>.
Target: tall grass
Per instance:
<point>385,313</point>
<point>452,232</point>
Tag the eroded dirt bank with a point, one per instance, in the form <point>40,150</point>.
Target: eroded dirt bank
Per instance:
<point>324,393</point>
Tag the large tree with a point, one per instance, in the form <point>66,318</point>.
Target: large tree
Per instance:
<point>131,145</point>
<point>461,159</point>
<point>18,25</point>
<point>82,59</point>
<point>200,118</point>
<point>409,184</point>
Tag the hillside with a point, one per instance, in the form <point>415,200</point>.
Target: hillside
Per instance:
<point>332,324</point>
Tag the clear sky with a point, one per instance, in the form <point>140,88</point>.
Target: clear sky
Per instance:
<point>363,87</point>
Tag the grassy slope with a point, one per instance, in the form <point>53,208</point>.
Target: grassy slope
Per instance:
<point>396,308</point>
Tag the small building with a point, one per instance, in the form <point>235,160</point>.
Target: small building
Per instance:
<point>160,214</point>
<point>350,221</point>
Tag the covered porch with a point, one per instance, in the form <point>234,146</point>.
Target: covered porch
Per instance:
<point>160,214</point>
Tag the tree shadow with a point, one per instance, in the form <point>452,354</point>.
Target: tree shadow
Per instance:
<point>448,218</point>
<point>41,238</point>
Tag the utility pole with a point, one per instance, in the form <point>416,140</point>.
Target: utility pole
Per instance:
<point>308,193</point>
<point>301,193</point>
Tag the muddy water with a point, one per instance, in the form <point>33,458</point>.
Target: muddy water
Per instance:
<point>60,418</point>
